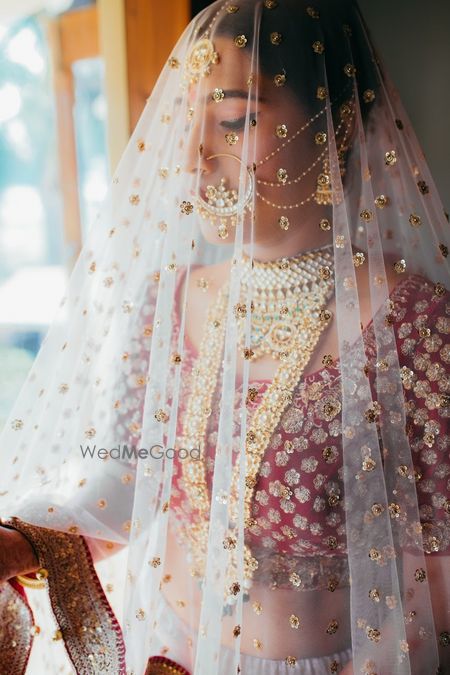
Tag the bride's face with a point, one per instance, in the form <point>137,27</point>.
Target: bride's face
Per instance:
<point>218,127</point>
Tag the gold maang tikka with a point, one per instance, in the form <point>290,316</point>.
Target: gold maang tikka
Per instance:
<point>199,60</point>
<point>222,206</point>
<point>202,54</point>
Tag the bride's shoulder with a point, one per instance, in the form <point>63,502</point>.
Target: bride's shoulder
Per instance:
<point>407,286</point>
<point>421,293</point>
<point>422,308</point>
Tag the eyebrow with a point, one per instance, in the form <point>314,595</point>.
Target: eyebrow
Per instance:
<point>237,93</point>
<point>229,93</point>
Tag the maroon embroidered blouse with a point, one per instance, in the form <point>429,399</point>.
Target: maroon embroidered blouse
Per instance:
<point>298,499</point>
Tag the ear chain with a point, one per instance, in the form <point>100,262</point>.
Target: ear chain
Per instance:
<point>303,128</point>
<point>325,175</point>
<point>286,207</point>
<point>222,204</point>
<point>269,183</point>
<point>282,183</point>
<point>291,138</point>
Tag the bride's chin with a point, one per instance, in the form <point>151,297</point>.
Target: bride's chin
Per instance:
<point>211,235</point>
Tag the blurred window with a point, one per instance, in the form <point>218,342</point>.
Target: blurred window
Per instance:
<point>41,223</point>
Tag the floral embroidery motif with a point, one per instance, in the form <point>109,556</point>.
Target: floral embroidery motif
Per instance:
<point>16,626</point>
<point>297,510</point>
<point>90,631</point>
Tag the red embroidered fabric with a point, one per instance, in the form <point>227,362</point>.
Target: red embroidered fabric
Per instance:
<point>299,503</point>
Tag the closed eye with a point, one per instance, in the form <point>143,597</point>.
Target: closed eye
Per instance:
<point>237,123</point>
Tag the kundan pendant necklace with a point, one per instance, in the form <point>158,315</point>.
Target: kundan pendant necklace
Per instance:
<point>305,285</point>
<point>284,292</point>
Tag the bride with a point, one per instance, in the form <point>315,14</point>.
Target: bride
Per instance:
<point>247,384</point>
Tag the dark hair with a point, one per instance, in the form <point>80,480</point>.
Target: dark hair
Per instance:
<point>335,24</point>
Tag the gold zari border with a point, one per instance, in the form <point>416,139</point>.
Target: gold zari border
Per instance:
<point>91,633</point>
<point>161,665</point>
<point>16,625</point>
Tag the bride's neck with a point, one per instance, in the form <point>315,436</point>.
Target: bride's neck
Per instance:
<point>287,247</point>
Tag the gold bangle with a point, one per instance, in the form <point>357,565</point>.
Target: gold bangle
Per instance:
<point>30,582</point>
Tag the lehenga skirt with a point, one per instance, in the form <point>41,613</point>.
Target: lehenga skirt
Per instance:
<point>174,639</point>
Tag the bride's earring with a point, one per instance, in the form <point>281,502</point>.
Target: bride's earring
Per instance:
<point>324,192</point>
<point>223,206</point>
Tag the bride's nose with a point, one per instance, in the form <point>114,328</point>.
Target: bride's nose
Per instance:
<point>195,152</point>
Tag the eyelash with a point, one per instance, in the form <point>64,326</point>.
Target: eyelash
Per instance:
<point>237,123</point>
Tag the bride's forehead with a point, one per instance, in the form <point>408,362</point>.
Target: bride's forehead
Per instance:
<point>232,69</point>
<point>234,74</point>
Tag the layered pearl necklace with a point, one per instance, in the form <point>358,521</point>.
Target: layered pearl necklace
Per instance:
<point>284,293</point>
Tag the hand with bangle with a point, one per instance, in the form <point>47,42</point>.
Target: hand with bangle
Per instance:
<point>36,581</point>
<point>18,559</point>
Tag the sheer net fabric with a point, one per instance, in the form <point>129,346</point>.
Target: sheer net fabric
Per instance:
<point>265,289</point>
